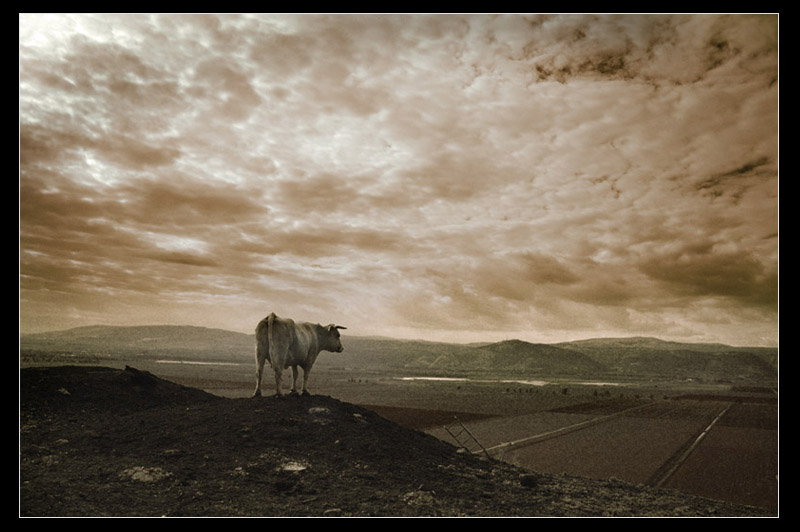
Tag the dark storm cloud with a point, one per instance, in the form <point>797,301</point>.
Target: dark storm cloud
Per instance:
<point>653,48</point>
<point>174,203</point>
<point>80,238</point>
<point>734,182</point>
<point>698,270</point>
<point>186,259</point>
<point>180,201</point>
<point>521,277</point>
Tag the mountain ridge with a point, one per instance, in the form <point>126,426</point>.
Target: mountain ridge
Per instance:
<point>622,340</point>
<point>644,357</point>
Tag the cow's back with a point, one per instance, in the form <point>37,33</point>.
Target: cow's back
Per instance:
<point>289,343</point>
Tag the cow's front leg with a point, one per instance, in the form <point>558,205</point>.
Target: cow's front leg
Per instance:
<point>306,371</point>
<point>295,375</point>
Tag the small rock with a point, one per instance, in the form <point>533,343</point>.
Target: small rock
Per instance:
<point>293,466</point>
<point>145,474</point>
<point>173,453</point>
<point>529,481</point>
<point>50,460</point>
<point>321,415</point>
<point>332,512</point>
<point>418,497</point>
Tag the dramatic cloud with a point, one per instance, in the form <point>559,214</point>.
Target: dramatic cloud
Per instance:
<point>475,177</point>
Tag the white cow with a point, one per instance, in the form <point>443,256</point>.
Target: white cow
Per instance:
<point>288,344</point>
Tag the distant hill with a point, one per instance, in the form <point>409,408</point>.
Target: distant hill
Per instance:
<point>640,356</point>
<point>145,340</point>
<point>163,335</point>
<point>383,353</point>
<point>542,358</point>
<point>626,357</point>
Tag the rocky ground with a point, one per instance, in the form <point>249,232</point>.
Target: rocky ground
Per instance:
<point>97,441</point>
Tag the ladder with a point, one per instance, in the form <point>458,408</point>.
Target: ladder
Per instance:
<point>465,439</point>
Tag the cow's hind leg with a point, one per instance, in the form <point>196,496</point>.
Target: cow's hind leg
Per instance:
<point>278,381</point>
<point>261,355</point>
<point>295,375</point>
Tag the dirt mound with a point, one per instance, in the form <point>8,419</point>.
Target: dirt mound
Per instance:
<point>106,442</point>
<point>102,388</point>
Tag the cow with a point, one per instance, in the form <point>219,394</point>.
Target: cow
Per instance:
<point>286,343</point>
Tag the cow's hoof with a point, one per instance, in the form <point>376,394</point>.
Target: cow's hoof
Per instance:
<point>306,393</point>
<point>257,394</point>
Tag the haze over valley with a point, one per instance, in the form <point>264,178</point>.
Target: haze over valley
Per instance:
<point>628,358</point>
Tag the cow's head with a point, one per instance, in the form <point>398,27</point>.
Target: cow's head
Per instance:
<point>333,341</point>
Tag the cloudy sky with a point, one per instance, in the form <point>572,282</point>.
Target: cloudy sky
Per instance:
<point>443,177</point>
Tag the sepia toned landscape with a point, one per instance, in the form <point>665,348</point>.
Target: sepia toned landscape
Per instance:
<point>539,253</point>
<point>622,431</point>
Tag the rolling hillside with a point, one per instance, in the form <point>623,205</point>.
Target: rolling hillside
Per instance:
<point>198,342</point>
<point>542,358</point>
<point>653,357</point>
<point>626,357</point>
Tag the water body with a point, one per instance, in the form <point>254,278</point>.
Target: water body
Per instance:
<point>503,381</point>
<point>198,363</point>
<point>441,379</point>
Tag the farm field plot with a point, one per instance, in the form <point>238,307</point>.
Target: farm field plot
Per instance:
<point>629,447</point>
<point>500,430</point>
<point>736,461</point>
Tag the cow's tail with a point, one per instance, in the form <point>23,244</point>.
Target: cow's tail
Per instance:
<point>270,321</point>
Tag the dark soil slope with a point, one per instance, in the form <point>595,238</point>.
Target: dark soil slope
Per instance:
<point>96,441</point>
